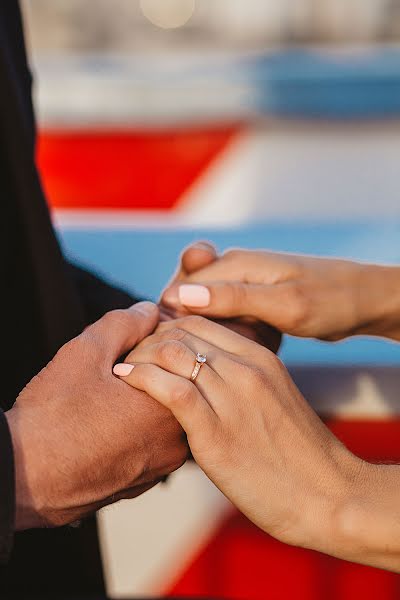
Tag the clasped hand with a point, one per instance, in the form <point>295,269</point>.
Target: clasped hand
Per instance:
<point>83,438</point>
<point>248,426</point>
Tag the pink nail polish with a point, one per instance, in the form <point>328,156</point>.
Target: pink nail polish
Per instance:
<point>195,296</point>
<point>123,369</point>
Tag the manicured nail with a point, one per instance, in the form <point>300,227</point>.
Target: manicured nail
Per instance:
<point>146,308</point>
<point>195,296</point>
<point>123,369</point>
<point>170,296</point>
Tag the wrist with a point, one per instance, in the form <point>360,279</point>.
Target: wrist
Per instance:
<point>315,517</point>
<point>365,524</point>
<point>333,491</point>
<point>27,513</point>
<point>379,300</point>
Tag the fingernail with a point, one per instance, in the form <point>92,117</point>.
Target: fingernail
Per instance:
<point>170,296</point>
<point>205,246</point>
<point>123,369</point>
<point>196,296</point>
<point>146,308</point>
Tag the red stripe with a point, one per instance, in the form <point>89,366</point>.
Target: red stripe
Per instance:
<point>242,563</point>
<point>372,440</point>
<point>123,170</point>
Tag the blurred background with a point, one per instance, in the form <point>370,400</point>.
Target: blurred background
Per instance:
<point>266,123</point>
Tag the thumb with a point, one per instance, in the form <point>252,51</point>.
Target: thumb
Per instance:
<point>232,299</point>
<point>120,330</point>
<point>195,257</point>
<point>198,256</point>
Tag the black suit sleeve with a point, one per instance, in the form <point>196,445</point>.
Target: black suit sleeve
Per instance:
<point>7,487</point>
<point>98,296</point>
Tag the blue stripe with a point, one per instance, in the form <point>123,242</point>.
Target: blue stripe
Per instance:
<point>144,260</point>
<point>306,83</point>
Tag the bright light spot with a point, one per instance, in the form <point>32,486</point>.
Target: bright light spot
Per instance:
<point>168,14</point>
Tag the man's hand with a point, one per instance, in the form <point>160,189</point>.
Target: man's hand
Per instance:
<point>300,295</point>
<point>194,260</point>
<point>82,438</point>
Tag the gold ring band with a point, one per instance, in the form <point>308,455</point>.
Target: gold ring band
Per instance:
<point>201,360</point>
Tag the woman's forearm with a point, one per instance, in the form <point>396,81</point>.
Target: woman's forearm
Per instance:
<point>383,300</point>
<point>366,528</point>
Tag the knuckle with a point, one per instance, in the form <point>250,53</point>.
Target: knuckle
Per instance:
<point>118,317</point>
<point>164,327</point>
<point>279,366</point>
<point>196,322</point>
<point>182,394</point>
<point>171,352</point>
<point>174,334</point>
<point>273,362</point>
<point>251,374</point>
<point>238,293</point>
<point>256,376</point>
<point>191,324</point>
<point>298,304</point>
<point>233,254</point>
<point>273,368</point>
<point>242,371</point>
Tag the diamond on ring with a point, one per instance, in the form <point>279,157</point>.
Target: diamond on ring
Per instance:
<point>201,359</point>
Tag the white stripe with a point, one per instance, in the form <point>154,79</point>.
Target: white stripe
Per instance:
<point>119,219</point>
<point>148,542</point>
<point>352,393</point>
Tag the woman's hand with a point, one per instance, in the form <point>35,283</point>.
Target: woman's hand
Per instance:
<point>300,295</point>
<point>196,258</point>
<point>252,432</point>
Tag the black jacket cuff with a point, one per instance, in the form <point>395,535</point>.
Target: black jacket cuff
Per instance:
<point>7,490</point>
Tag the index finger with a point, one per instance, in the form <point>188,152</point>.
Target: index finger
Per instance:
<point>196,257</point>
<point>209,331</point>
